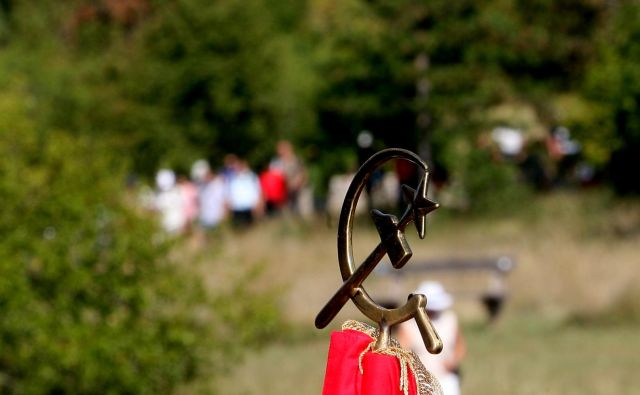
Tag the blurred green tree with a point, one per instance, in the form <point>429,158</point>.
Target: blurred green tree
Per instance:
<point>225,77</point>
<point>170,81</point>
<point>612,131</point>
<point>427,74</point>
<point>91,301</point>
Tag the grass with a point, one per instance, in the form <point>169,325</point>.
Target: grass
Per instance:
<point>522,355</point>
<point>533,355</point>
<point>577,266</point>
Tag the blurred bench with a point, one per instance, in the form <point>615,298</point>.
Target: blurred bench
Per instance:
<point>492,297</point>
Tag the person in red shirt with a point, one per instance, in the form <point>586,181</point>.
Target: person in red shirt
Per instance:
<point>274,189</point>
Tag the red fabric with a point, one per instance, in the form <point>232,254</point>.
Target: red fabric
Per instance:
<point>274,187</point>
<point>381,373</point>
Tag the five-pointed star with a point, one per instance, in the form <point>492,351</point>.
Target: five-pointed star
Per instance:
<point>420,204</point>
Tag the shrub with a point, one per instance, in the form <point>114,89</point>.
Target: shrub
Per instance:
<point>493,187</point>
<point>91,302</point>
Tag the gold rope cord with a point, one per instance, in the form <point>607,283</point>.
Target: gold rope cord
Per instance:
<point>426,382</point>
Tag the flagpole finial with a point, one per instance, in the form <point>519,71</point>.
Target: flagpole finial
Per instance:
<point>393,243</point>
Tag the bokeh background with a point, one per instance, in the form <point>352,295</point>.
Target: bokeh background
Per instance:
<point>527,111</point>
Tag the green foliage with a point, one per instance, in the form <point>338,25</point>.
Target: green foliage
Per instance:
<point>190,78</point>
<point>256,319</point>
<point>218,74</point>
<point>492,187</point>
<point>420,74</point>
<point>365,78</point>
<point>86,298</point>
<point>91,302</point>
<point>613,84</point>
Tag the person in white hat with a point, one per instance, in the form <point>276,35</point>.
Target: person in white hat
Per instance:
<point>168,202</point>
<point>445,366</point>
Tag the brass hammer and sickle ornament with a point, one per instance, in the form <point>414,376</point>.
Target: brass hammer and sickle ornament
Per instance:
<point>392,243</point>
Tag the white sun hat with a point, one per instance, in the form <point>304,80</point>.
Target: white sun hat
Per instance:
<point>199,170</point>
<point>438,298</point>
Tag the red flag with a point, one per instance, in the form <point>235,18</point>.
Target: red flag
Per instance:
<point>353,369</point>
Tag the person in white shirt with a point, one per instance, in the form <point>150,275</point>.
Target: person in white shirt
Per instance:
<point>212,201</point>
<point>244,194</point>
<point>445,365</point>
<point>169,202</point>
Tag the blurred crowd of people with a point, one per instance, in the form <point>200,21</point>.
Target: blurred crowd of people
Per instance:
<point>209,197</point>
<point>547,163</point>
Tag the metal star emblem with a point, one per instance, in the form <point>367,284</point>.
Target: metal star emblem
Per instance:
<point>420,204</point>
